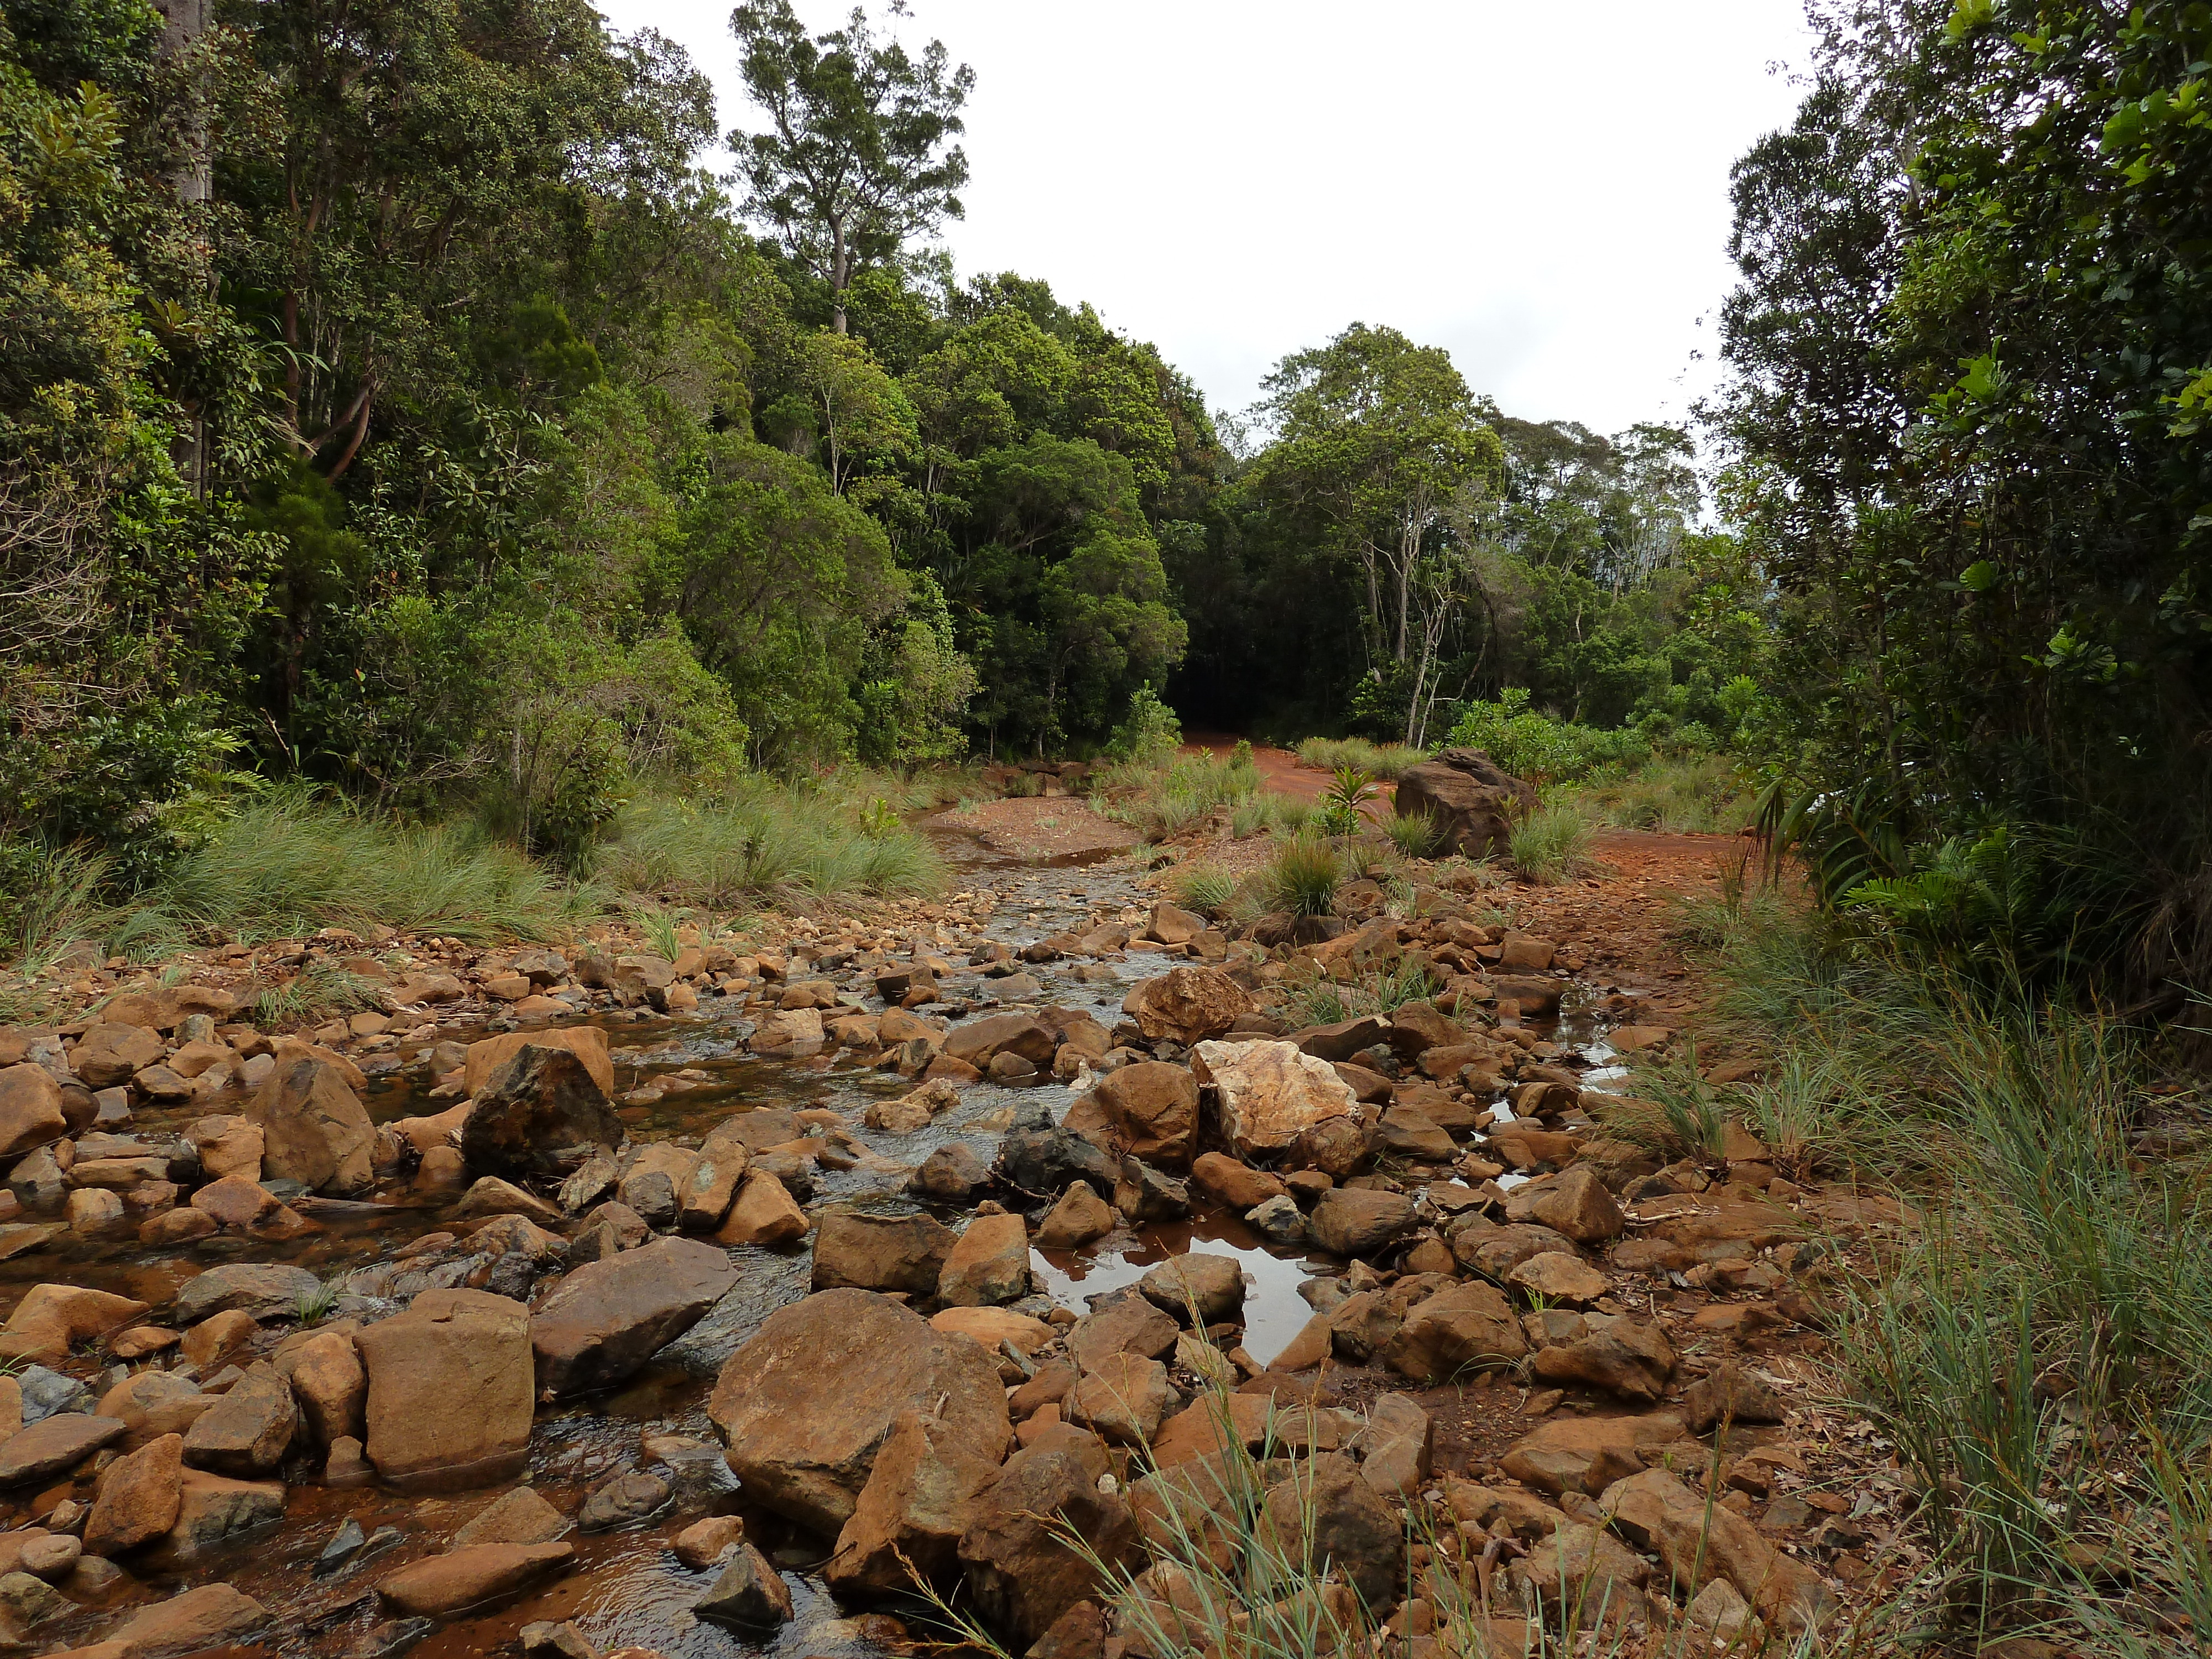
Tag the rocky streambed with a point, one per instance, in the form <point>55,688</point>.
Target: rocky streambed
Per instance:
<point>688,1305</point>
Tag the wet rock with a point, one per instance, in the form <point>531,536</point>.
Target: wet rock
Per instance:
<point>1574,1203</point>
<point>1279,1220</point>
<point>214,1512</point>
<point>54,1446</point>
<point>519,1516</point>
<point>763,1212</point>
<point>541,1115</point>
<point>313,1128</point>
<point>49,1558</point>
<point>262,1290</point>
<point>707,1191</point>
<point>450,1394</point>
<point>703,1543</point>
<point>912,1510</point>
<point>490,1195</point>
<point>30,1109</point>
<point>212,1616</point>
<point>483,1058</point>
<point>1232,1184</point>
<point>152,1404</point>
<point>110,1052</point>
<point>1587,1455</point>
<point>951,1175</point>
<point>1079,1217</point>
<point>1728,1394</point>
<point>207,1344</point>
<point>628,1500</point>
<point>991,1327</point>
<point>439,1586</point>
<point>1350,1221</point>
<point>1186,1005</point>
<point>608,1318</point>
<point>391,1638</point>
<point>750,1596</point>
<point>138,1498</point>
<point>1121,1323</point>
<point>1151,1111</point>
<point>1628,1357</point>
<point>806,1404</point>
<point>979,1041</point>
<point>249,1430</point>
<point>52,1319</point>
<point>1465,1328</point>
<point>856,1249</point>
<point>1122,1400</point>
<point>1270,1092</point>
<point>1038,1155</point>
<point>345,1544</point>
<point>1143,1194</point>
<point>1327,1511</point>
<point>1213,1284</point>
<point>1558,1277</point>
<point>543,1639</point>
<point>988,1265</point>
<point>1019,1566</point>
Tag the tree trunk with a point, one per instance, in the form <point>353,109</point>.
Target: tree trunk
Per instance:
<point>183,22</point>
<point>840,278</point>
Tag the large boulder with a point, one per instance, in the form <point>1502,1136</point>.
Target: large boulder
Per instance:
<point>30,1109</point>
<point>52,1319</point>
<point>608,1317</point>
<point>540,1116</point>
<point>450,1395</point>
<point>212,1616</point>
<point>911,1511</point>
<point>1473,804</point>
<point>989,1265</point>
<point>856,1249</point>
<point>262,1290</point>
<point>1187,1004</point>
<point>1271,1092</point>
<point>247,1432</point>
<point>139,1493</point>
<point>1022,1568</point>
<point>807,1404</point>
<point>587,1043</point>
<point>313,1128</point>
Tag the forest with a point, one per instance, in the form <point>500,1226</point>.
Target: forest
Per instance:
<point>393,405</point>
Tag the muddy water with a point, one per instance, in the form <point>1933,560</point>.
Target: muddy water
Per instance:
<point>626,1588</point>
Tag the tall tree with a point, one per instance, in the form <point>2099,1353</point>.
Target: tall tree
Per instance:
<point>858,160</point>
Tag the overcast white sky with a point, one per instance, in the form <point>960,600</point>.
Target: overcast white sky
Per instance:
<point>1541,189</point>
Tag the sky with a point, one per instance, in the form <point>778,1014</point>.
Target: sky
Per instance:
<point>1541,189</point>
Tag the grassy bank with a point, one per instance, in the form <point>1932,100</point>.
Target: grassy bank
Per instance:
<point>2039,1349</point>
<point>288,864</point>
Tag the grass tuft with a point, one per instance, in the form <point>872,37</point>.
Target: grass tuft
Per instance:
<point>1551,845</point>
<point>763,842</point>
<point>1385,760</point>
<point>1303,877</point>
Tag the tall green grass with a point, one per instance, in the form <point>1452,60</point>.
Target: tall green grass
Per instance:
<point>765,842</point>
<point>1551,844</point>
<point>2040,1351</point>
<point>1163,800</point>
<point>1701,794</point>
<point>1386,761</point>
<point>1303,877</point>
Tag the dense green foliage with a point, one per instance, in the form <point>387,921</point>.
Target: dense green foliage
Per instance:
<point>1971,342</point>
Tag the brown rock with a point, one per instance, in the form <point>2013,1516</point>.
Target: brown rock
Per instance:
<point>235,1201</point>
<point>1728,1394</point>
<point>748,1596</point>
<point>805,1451</point>
<point>988,1265</point>
<point>1187,1004</point>
<point>911,1510</point>
<point>1327,1511</point>
<point>1697,1541</point>
<point>1474,805</point>
<point>214,1511</point>
<point>313,1128</point>
<point>52,1319</point>
<point>450,1397</point>
<point>218,1336</point>
<point>706,1196</point>
<point>1270,1092</point>
<point>1234,1185</point>
<point>1079,1217</point>
<point>1020,1567</point>
<point>1557,1276</point>
<point>1465,1328</point>
<point>1494,1251</point>
<point>519,1516</point>
<point>247,1432</point>
<point>1587,1455</point>
<point>541,1115</point>
<point>1122,1400</point>
<point>1353,1221</point>
<point>30,1109</point>
<point>979,1041</point>
<point>330,1383</point>
<point>1628,1357</point>
<point>54,1446</point>
<point>212,1616</point>
<point>703,1543</point>
<point>1153,1110</point>
<point>1574,1203</point>
<point>110,1053</point>
<point>439,1586</point>
<point>856,1249</point>
<point>1213,1284</point>
<point>1124,1322</point>
<point>490,1195</point>
<point>587,1043</point>
<point>762,1214</point>
<point>138,1498</point>
<point>607,1319</point>
<point>152,1404</point>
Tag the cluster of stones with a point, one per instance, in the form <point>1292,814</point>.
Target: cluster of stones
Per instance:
<point>923,1409</point>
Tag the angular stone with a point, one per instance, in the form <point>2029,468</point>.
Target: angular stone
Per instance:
<point>212,1616</point>
<point>1474,805</point>
<point>605,1320</point>
<point>439,1586</point>
<point>541,1115</point>
<point>1020,1566</point>
<point>1213,1284</point>
<point>748,1596</point>
<point>450,1395</point>
<point>1151,1109</point>
<point>988,1265</point>
<point>1697,1541</point>
<point>856,1249</point>
<point>628,1500</point>
<point>951,1175</point>
<point>1412,1135</point>
<point>264,1291</point>
<point>1587,1455</point>
<point>1327,1511</point>
<point>911,1511</point>
<point>1574,1202</point>
<point>1557,1276</point>
<point>112,1053</point>
<point>1495,1251</point>
<point>587,1043</point>
<point>1143,1194</point>
<point>54,1446</point>
<point>1234,1185</point>
<point>1270,1092</point>
<point>214,1512</point>
<point>703,1543</point>
<point>1465,1328</point>
<point>1728,1394</point>
<point>705,1195</point>
<point>978,1041</point>
<point>152,1404</point>
<point>1187,1004</point>
<point>329,1382</point>
<point>763,1212</point>
<point>490,1195</point>
<point>1123,1322</point>
<point>138,1498</point>
<point>313,1128</point>
<point>1079,1217</point>
<point>1628,1357</point>
<point>52,1319</point>
<point>802,1443</point>
<point>519,1516</point>
<point>1122,1400</point>
<point>247,1432</point>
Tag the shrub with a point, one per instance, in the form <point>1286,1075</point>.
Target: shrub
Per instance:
<point>1303,877</point>
<point>1150,732</point>
<point>1535,747</point>
<point>1551,844</point>
<point>1413,834</point>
